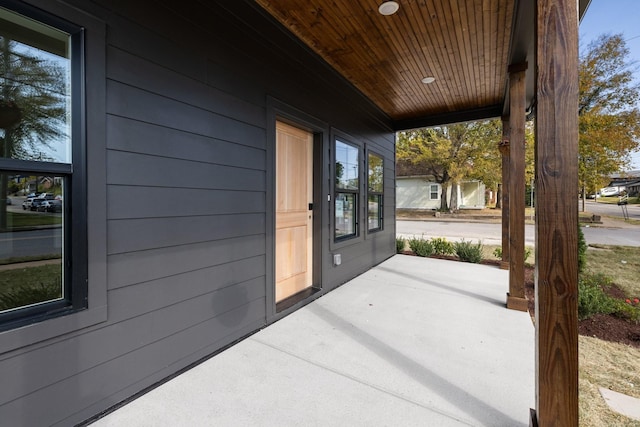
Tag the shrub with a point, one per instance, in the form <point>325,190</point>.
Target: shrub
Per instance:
<point>497,252</point>
<point>582,250</point>
<point>628,311</point>
<point>442,247</point>
<point>421,247</point>
<point>527,253</point>
<point>400,243</point>
<point>592,298</point>
<point>468,252</point>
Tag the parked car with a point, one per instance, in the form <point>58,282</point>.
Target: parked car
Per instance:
<point>50,206</point>
<point>35,204</point>
<point>27,203</point>
<point>8,201</point>
<point>47,196</point>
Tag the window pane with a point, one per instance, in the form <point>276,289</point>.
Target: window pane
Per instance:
<point>434,192</point>
<point>376,183</point>
<point>374,217</point>
<point>31,234</point>
<point>35,95</point>
<point>346,166</point>
<point>345,215</point>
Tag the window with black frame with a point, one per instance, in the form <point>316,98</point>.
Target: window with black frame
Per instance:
<point>375,192</point>
<point>40,171</point>
<point>347,190</point>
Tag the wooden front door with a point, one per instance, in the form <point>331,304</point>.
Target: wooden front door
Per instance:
<point>294,217</point>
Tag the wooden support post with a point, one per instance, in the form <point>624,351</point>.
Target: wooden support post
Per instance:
<point>556,214</point>
<point>504,151</point>
<point>515,298</point>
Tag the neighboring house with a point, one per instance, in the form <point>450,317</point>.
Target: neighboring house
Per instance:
<point>619,185</point>
<point>419,192</point>
<point>633,188</point>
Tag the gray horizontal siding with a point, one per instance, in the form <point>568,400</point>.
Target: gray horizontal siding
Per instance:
<point>145,138</point>
<point>134,103</point>
<point>135,71</point>
<point>131,235</point>
<point>151,202</point>
<point>142,266</point>
<point>140,169</point>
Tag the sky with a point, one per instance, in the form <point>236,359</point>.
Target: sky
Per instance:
<point>614,17</point>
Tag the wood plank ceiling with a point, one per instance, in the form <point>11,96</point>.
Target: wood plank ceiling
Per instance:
<point>463,44</point>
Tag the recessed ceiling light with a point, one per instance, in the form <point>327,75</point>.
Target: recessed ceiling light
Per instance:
<point>388,8</point>
<point>428,80</point>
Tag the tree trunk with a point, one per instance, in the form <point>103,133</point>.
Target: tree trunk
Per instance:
<point>453,204</point>
<point>443,198</point>
<point>499,197</point>
<point>584,198</point>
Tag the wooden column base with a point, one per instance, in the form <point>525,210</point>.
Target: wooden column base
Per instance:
<point>504,265</point>
<point>533,419</point>
<point>517,303</point>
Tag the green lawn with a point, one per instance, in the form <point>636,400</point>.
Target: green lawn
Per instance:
<point>30,285</point>
<point>615,199</point>
<point>620,263</point>
<point>18,219</point>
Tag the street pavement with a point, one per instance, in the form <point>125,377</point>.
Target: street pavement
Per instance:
<point>490,233</point>
<point>610,209</point>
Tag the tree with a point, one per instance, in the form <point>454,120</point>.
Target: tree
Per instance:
<point>36,87</point>
<point>609,119</point>
<point>451,153</point>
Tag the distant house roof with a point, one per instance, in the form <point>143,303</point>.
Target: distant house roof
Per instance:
<point>626,175</point>
<point>618,182</point>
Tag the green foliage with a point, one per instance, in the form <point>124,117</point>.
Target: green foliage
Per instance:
<point>27,294</point>
<point>592,298</point>
<point>400,243</point>
<point>582,250</point>
<point>628,311</point>
<point>609,119</point>
<point>451,153</point>
<point>468,252</point>
<point>19,219</point>
<point>421,247</point>
<point>442,247</point>
<point>497,252</point>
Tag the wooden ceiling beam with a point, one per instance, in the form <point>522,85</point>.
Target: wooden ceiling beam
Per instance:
<point>483,113</point>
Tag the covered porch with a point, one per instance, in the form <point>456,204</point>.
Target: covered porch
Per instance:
<point>414,341</point>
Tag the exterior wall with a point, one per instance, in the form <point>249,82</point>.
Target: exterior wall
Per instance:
<point>181,196</point>
<point>413,193</point>
<point>472,195</point>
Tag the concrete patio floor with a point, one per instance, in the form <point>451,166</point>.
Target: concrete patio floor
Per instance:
<point>412,342</point>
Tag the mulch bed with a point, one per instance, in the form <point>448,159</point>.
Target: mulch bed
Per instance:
<point>604,327</point>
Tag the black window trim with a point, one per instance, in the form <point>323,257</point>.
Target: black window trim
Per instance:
<point>337,243</point>
<point>75,250</point>
<point>375,193</point>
